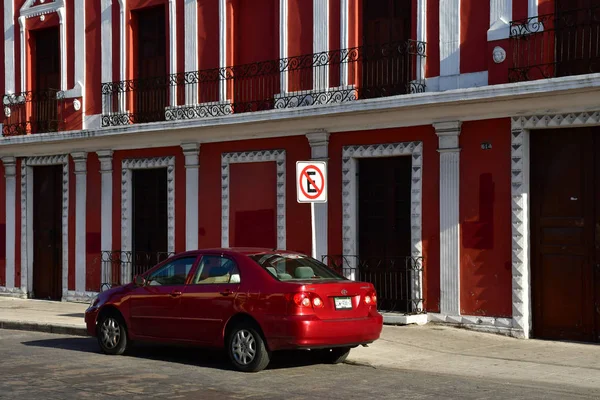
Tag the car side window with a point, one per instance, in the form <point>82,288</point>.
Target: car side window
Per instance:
<point>173,273</point>
<point>216,269</point>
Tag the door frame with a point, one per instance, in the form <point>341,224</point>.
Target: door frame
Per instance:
<point>127,166</point>
<point>27,165</point>
<point>522,318</point>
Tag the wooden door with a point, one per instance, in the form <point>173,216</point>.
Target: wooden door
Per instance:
<point>47,232</point>
<point>386,29</point>
<point>150,231</point>
<point>152,86</point>
<point>564,219</point>
<point>47,80</point>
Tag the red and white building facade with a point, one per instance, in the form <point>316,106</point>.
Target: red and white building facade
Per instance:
<point>459,134</point>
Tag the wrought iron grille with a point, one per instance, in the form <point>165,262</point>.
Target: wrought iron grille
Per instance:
<point>397,280</point>
<point>321,78</point>
<point>116,264</point>
<point>563,44</point>
<point>32,112</point>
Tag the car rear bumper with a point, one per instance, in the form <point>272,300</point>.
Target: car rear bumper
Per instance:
<point>90,320</point>
<point>311,332</point>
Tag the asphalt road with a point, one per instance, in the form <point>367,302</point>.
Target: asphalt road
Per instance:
<point>46,366</point>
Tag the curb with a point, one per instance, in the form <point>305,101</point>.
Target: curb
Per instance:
<point>47,328</point>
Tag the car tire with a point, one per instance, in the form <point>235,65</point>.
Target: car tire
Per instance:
<point>336,355</point>
<point>111,332</point>
<point>247,349</point>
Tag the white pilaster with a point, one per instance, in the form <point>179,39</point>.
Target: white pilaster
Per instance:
<point>62,20</point>
<point>123,53</point>
<point>10,172</point>
<point>319,148</point>
<point>500,17</point>
<point>283,41</point>
<point>191,48</point>
<point>173,47</point>
<point>320,41</point>
<point>449,37</point>
<point>448,134</point>
<point>9,46</point>
<point>532,8</point>
<point>80,160</point>
<point>23,54</point>
<point>106,45</point>
<point>222,47</point>
<point>344,24</point>
<point>105,157</point>
<point>79,18</point>
<point>421,34</point>
<point>190,151</point>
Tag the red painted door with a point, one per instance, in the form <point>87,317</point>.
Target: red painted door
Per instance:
<point>565,233</point>
<point>208,301</point>
<point>154,308</point>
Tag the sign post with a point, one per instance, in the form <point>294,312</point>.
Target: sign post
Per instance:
<point>311,187</point>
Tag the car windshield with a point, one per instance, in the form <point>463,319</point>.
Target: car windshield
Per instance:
<point>287,267</point>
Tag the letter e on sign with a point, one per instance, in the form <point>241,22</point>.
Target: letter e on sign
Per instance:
<point>311,181</point>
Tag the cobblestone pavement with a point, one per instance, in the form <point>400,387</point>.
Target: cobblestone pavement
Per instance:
<point>47,366</point>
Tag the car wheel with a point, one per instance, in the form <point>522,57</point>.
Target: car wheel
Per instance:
<point>336,355</point>
<point>112,334</point>
<point>247,349</point>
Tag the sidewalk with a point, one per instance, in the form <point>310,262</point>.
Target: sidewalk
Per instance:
<point>431,348</point>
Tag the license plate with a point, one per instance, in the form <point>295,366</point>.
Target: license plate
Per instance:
<point>343,303</point>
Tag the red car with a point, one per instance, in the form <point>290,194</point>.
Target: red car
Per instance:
<point>250,301</point>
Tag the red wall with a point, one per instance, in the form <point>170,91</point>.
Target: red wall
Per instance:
<point>432,49</point>
<point>93,62</point>
<point>93,224</point>
<point>253,205</point>
<point>298,233</point>
<point>208,34</point>
<point>485,215</point>
<point>430,190</point>
<point>474,24</point>
<point>256,30</point>
<point>2,227</point>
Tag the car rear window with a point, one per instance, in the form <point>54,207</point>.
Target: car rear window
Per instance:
<point>292,267</point>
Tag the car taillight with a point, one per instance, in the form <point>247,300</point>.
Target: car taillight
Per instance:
<point>307,300</point>
<point>371,299</point>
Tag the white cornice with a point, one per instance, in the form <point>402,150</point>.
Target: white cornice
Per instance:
<point>29,11</point>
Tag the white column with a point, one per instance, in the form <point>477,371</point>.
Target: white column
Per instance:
<point>319,148</point>
<point>105,157</point>
<point>190,151</point>
<point>500,17</point>
<point>79,21</point>
<point>173,47</point>
<point>191,48</point>
<point>532,8</point>
<point>23,54</point>
<point>123,55</point>
<point>62,20</point>
<point>80,160</point>
<point>9,46</point>
<point>320,42</point>
<point>421,35</point>
<point>106,45</point>
<point>10,171</point>
<point>449,37</point>
<point>222,47</point>
<point>283,41</point>
<point>344,25</point>
<point>448,134</point>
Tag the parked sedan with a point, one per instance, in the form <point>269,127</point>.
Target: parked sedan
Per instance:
<point>252,302</point>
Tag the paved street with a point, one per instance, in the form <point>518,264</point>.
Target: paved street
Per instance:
<point>41,365</point>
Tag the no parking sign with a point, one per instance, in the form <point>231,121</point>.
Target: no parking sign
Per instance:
<point>311,181</point>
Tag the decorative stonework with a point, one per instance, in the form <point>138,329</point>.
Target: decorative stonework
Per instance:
<point>128,166</point>
<point>27,218</point>
<point>33,8</point>
<point>277,156</point>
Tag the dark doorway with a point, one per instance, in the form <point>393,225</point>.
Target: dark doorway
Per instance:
<point>46,83</point>
<point>384,226</point>
<point>47,232</point>
<point>150,230</point>
<point>150,40</point>
<point>386,31</point>
<point>565,234</point>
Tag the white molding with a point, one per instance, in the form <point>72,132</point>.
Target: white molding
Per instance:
<point>10,173</point>
<point>448,134</point>
<point>9,47</point>
<point>106,172</point>
<point>173,47</point>
<point>277,156</point>
<point>350,156</point>
<point>222,47</point>
<point>453,82</point>
<point>80,170</point>
<point>283,42</point>
<point>27,266</point>
<point>344,27</point>
<point>190,152</point>
<point>449,37</point>
<point>128,165</point>
<point>320,41</point>
<point>12,292</point>
<point>191,47</point>
<point>500,17</point>
<point>319,150</point>
<point>28,10</point>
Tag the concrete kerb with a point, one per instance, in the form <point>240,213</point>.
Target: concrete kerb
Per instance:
<point>47,328</point>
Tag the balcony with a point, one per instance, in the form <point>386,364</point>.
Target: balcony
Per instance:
<point>32,112</point>
<point>563,44</point>
<point>314,79</point>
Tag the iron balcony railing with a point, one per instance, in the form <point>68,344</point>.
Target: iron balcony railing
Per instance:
<point>119,267</point>
<point>32,112</point>
<point>563,44</point>
<point>397,280</point>
<point>322,78</point>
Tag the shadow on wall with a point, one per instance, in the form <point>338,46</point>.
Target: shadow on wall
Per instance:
<point>479,234</point>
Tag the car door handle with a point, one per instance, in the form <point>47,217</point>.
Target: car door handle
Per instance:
<point>226,292</point>
<point>175,293</point>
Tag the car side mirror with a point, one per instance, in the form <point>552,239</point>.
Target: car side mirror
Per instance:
<point>139,280</point>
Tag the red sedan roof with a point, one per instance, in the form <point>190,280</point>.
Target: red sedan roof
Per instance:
<point>243,250</point>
